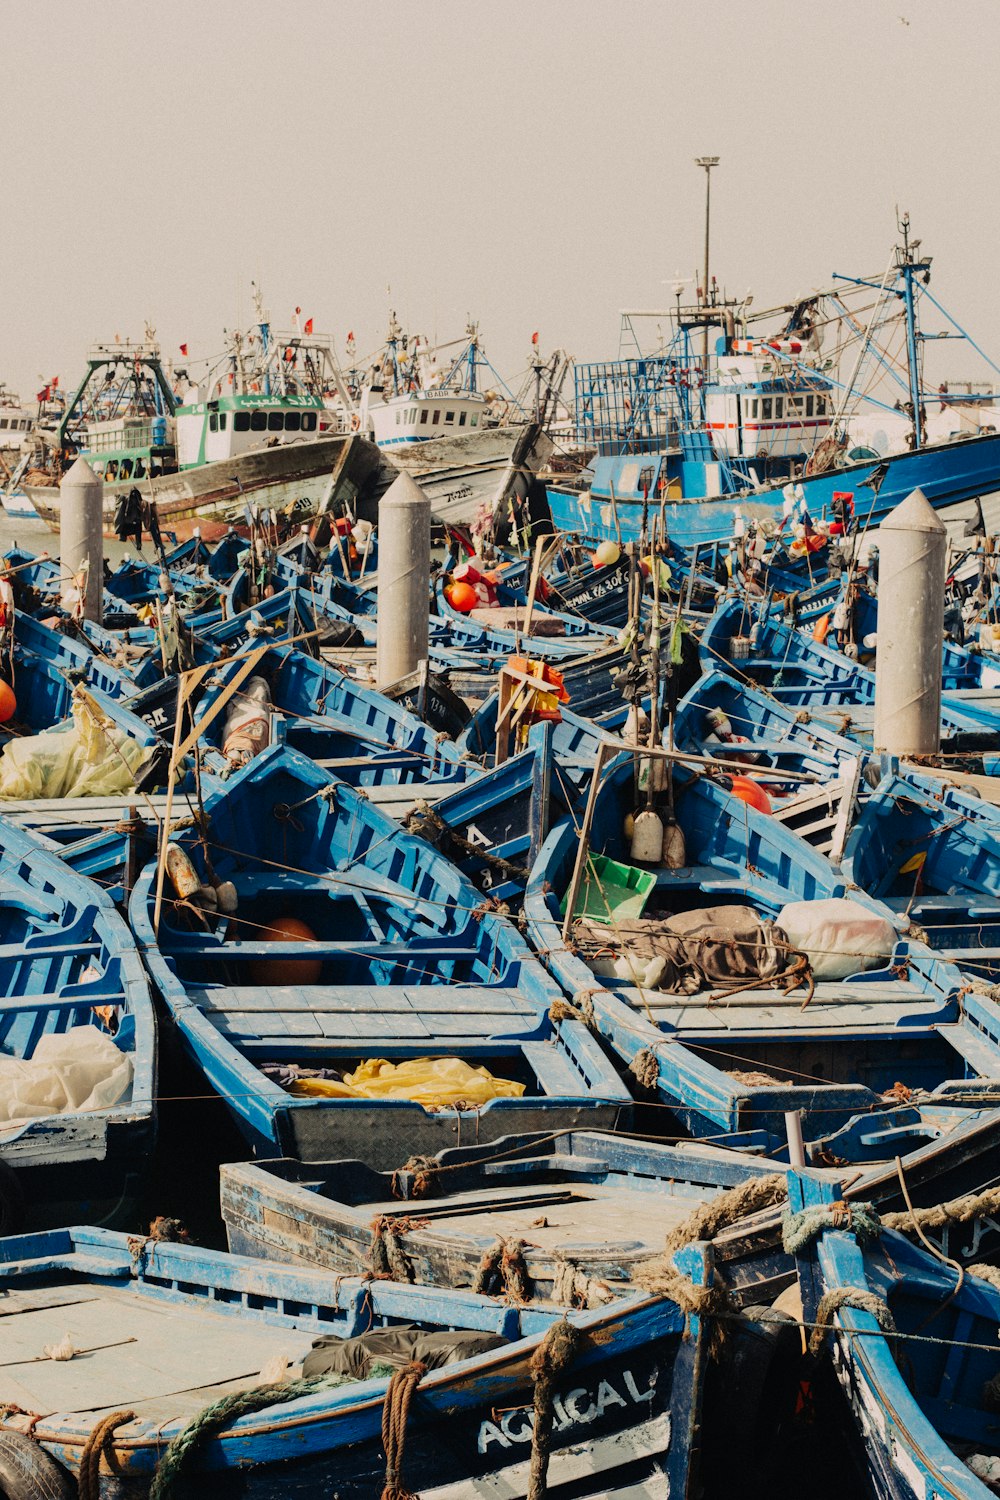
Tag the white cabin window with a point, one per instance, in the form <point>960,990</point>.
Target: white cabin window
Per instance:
<point>293,421</point>
<point>413,416</point>
<point>258,421</point>
<point>437,417</point>
<point>276,421</point>
<point>399,417</point>
<point>241,421</point>
<point>779,406</point>
<point>223,420</point>
<point>449,416</point>
<point>765,409</point>
<point>809,406</point>
<point>461,418</point>
<point>213,421</point>
<point>308,421</point>
<point>754,409</point>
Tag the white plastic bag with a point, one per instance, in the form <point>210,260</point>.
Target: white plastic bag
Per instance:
<point>79,1069</point>
<point>838,936</point>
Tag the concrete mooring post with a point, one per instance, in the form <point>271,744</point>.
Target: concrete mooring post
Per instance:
<point>404,570</point>
<point>913,545</point>
<point>81,534</point>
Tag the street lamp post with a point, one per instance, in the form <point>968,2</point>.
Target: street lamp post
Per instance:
<point>708,162</point>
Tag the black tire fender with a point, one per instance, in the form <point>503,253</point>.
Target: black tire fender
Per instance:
<point>27,1472</point>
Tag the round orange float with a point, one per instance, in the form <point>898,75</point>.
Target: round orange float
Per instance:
<point>462,597</point>
<point>278,971</point>
<point>751,792</point>
<point>8,703</point>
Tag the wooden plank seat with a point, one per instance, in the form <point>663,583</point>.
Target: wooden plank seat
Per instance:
<point>435,1016</point>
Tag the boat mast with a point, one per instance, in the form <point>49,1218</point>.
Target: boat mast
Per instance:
<point>910,266</point>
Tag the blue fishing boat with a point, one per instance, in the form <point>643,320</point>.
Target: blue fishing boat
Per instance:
<point>422,1390</point>
<point>931,852</point>
<point>355,732</point>
<point>692,987</point>
<point>77,1046</point>
<point>727,719</point>
<point>583,1210</point>
<point>913,1343</point>
<point>493,826</point>
<point>753,642</point>
<point>359,975</point>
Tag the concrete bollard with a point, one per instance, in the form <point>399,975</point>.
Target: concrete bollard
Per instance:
<point>912,559</point>
<point>81,533</point>
<point>404,569</point>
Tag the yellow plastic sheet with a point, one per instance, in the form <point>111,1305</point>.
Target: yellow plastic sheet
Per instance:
<point>95,758</point>
<point>435,1082</point>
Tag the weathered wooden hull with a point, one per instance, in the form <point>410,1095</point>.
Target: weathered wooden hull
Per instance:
<point>625,1407</point>
<point>212,497</point>
<point>467,473</point>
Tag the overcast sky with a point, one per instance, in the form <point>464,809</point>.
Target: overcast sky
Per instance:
<point>528,162</point>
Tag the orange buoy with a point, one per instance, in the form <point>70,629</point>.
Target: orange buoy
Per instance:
<point>286,970</point>
<point>462,597</point>
<point>821,628</point>
<point>8,703</point>
<point>751,792</point>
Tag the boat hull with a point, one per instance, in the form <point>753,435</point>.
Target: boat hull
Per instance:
<point>213,496</point>
<point>947,474</point>
<point>464,475</point>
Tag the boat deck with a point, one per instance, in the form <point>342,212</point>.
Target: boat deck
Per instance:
<point>162,1360</point>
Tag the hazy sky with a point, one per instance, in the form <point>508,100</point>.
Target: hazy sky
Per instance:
<point>527,162</point>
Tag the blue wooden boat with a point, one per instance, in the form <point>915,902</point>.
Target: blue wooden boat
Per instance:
<point>584,1207</point>
<point>408,962</point>
<point>913,1343</point>
<point>493,826</point>
<point>68,965</point>
<point>355,732</point>
<point>758,646</point>
<point>622,1417</point>
<point>931,852</point>
<point>731,720</point>
<point>554,635</point>
<point>47,667</point>
<point>730,1064</point>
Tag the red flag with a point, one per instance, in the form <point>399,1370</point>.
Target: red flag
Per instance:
<point>350,338</point>
<point>44,393</point>
<point>297,311</point>
<point>289,353</point>
<point>309,325</point>
<point>55,382</point>
<point>534,338</point>
<point>184,350</point>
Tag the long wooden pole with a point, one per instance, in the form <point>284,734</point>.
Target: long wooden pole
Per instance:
<point>584,847</point>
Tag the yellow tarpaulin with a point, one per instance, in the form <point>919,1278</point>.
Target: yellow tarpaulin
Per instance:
<point>435,1082</point>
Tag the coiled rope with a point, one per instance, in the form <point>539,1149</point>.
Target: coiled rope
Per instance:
<point>96,1446</point>
<point>395,1412</point>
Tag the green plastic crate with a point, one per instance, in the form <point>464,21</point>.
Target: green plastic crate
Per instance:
<point>609,891</point>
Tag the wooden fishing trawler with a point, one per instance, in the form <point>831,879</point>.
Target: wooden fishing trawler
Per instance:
<point>203,458</point>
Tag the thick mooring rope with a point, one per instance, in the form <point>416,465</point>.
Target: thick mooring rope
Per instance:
<point>395,1412</point>
<point>98,1444</point>
<point>554,1354</point>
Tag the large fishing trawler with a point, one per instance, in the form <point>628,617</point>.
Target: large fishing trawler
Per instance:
<point>245,436</point>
